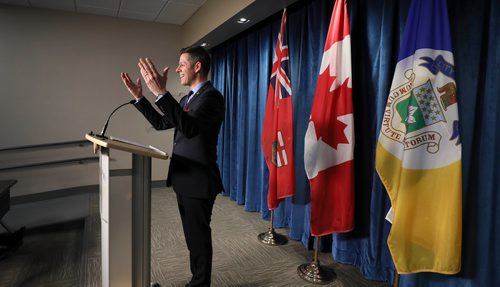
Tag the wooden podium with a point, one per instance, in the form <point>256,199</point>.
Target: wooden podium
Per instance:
<point>125,208</point>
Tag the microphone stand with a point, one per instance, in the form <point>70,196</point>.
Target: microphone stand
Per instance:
<point>107,121</point>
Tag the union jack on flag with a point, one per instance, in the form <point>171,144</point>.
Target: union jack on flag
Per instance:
<point>279,73</point>
<point>277,132</point>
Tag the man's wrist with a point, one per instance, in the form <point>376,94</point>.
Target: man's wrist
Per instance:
<point>158,97</point>
<point>138,98</point>
<point>161,93</point>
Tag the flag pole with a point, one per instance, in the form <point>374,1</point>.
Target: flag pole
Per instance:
<point>314,272</point>
<point>271,237</point>
<point>396,280</point>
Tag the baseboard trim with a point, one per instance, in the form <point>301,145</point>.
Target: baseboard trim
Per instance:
<point>49,195</point>
<point>53,194</point>
<point>158,183</point>
<point>72,223</point>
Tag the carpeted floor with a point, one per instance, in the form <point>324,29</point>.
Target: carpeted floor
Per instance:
<point>239,258</point>
<point>49,257</point>
<point>69,254</point>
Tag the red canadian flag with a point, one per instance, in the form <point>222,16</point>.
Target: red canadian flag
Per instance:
<point>277,132</point>
<point>329,140</point>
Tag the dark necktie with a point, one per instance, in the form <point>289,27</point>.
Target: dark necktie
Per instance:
<point>189,95</point>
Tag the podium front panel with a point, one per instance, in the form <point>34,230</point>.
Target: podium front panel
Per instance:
<point>125,209</point>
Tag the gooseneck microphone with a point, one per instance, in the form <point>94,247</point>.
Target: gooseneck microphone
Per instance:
<point>107,121</point>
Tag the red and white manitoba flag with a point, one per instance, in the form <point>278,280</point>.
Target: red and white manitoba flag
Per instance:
<point>277,132</point>
<point>329,140</point>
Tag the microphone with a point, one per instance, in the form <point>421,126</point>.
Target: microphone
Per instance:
<point>107,121</point>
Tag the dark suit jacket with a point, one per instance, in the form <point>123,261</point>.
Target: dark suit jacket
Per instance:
<point>193,169</point>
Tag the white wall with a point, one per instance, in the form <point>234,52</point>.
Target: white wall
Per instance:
<point>60,78</point>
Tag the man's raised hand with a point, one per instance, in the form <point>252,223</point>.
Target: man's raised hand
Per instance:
<point>135,89</point>
<point>155,81</point>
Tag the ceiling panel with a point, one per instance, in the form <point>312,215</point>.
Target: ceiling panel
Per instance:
<point>97,11</point>
<point>66,5</point>
<point>104,4</point>
<point>177,13</point>
<point>152,7</point>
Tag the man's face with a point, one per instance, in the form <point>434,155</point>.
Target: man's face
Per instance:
<point>185,70</point>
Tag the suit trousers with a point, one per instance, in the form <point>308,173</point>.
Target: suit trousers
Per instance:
<point>196,214</point>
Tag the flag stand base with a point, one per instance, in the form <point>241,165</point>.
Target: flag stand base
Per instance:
<point>313,272</point>
<point>316,274</point>
<point>272,238</point>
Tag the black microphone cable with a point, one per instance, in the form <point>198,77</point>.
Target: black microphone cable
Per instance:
<point>107,121</point>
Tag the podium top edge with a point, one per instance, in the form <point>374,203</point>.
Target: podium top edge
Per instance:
<point>126,146</point>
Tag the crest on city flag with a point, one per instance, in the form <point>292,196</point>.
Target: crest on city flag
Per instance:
<point>419,109</point>
<point>418,154</point>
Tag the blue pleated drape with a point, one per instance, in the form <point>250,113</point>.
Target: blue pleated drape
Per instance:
<point>241,70</point>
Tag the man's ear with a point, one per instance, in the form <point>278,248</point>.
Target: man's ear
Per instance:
<point>197,67</point>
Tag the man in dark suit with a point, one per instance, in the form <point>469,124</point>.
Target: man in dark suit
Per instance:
<point>193,171</point>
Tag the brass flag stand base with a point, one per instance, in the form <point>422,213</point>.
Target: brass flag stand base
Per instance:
<point>313,272</point>
<point>270,237</point>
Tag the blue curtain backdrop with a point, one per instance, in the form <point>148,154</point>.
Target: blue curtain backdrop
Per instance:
<point>241,70</point>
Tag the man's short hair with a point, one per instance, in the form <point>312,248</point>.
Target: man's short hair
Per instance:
<point>198,54</point>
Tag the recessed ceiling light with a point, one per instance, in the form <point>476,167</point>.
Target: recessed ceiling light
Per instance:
<point>205,44</point>
<point>243,20</point>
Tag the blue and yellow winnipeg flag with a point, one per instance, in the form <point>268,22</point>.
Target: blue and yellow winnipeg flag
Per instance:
<point>418,154</point>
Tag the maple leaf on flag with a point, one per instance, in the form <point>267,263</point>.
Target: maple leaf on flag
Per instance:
<point>329,139</point>
<point>334,100</point>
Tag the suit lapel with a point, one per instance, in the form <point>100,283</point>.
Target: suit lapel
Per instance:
<point>198,94</point>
